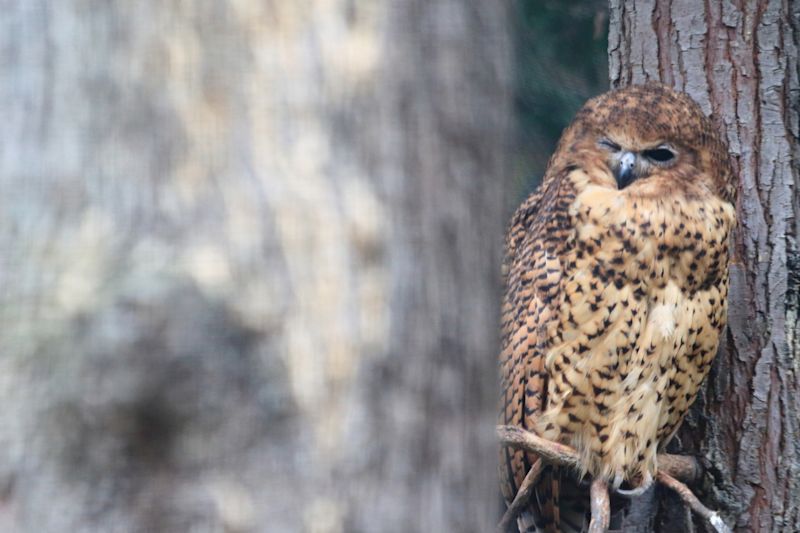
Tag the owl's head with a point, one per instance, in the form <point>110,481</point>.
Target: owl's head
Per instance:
<point>651,139</point>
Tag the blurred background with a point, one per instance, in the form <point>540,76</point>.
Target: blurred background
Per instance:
<point>560,61</point>
<point>249,255</point>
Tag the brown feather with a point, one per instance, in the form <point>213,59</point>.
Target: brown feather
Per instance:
<point>615,298</point>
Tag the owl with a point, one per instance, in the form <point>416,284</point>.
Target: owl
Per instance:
<point>615,292</point>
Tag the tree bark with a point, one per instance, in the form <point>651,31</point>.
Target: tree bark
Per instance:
<point>249,273</point>
<point>739,60</point>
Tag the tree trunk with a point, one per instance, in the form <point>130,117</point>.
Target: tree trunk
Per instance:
<point>739,60</point>
<point>250,264</point>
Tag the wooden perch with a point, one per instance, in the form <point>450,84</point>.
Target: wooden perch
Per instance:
<point>691,500</point>
<point>551,452</point>
<point>680,467</point>
<point>601,507</point>
<point>521,499</point>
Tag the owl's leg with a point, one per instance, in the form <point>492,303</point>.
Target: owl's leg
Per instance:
<point>694,504</point>
<point>601,506</point>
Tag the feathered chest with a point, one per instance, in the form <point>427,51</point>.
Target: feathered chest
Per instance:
<point>650,241</point>
<point>642,301</point>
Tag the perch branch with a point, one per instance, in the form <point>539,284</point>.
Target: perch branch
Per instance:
<point>521,499</point>
<point>694,504</point>
<point>601,506</point>
<point>680,467</point>
<point>548,451</point>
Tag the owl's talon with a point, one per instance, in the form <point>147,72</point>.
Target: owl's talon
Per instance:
<point>638,491</point>
<point>617,482</point>
<point>632,493</point>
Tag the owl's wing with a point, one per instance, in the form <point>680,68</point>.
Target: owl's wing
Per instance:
<point>535,243</point>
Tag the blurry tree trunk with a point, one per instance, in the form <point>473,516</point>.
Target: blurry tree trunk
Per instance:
<point>249,264</point>
<point>739,60</point>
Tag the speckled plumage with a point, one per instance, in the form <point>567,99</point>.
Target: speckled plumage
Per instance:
<point>615,297</point>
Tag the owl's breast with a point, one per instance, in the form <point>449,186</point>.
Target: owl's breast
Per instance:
<point>642,305</point>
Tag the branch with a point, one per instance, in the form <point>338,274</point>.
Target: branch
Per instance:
<point>682,467</point>
<point>670,467</point>
<point>521,499</point>
<point>694,504</point>
<point>550,452</point>
<point>601,506</point>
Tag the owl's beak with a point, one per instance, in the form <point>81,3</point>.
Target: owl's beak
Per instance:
<point>625,171</point>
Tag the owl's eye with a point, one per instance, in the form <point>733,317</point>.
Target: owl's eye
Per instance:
<point>611,145</point>
<point>660,155</point>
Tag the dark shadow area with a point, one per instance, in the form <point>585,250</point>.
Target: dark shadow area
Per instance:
<point>560,62</point>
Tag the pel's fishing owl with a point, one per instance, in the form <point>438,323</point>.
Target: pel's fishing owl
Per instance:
<point>615,289</point>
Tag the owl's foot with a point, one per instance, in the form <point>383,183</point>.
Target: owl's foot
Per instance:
<point>670,467</point>
<point>694,504</point>
<point>647,481</point>
<point>619,477</point>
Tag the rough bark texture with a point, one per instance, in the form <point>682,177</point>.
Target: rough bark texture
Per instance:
<point>739,60</point>
<point>249,273</point>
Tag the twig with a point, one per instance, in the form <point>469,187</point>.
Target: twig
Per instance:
<point>522,498</point>
<point>694,504</point>
<point>601,507</point>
